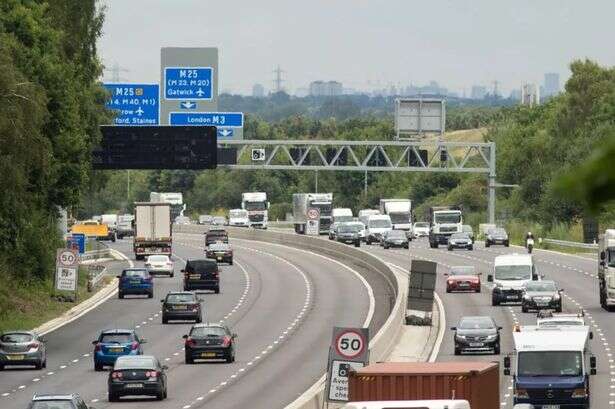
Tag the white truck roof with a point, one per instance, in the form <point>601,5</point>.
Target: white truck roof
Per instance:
<point>254,196</point>
<point>551,319</point>
<point>379,217</point>
<point>533,338</point>
<point>368,212</point>
<point>514,259</point>
<point>342,211</point>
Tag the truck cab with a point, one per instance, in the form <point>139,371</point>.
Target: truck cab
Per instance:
<point>606,269</point>
<point>257,206</point>
<point>302,202</point>
<point>551,366</point>
<point>400,212</point>
<point>511,272</point>
<point>443,222</point>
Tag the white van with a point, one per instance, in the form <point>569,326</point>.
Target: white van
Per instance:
<point>409,404</point>
<point>365,213</point>
<point>511,272</point>
<point>377,225</point>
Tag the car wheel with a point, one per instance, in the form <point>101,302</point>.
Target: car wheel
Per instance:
<point>478,290</point>
<point>217,290</point>
<point>496,349</point>
<point>1,367</point>
<point>457,351</point>
<point>113,397</point>
<point>450,248</point>
<point>189,360</point>
<point>507,244</point>
<point>45,362</point>
<point>120,295</point>
<point>559,309</point>
<point>229,357</point>
<point>165,320</point>
<point>198,320</point>
<point>171,275</point>
<point>487,244</point>
<point>166,392</point>
<point>186,288</point>
<point>448,290</point>
<point>160,395</point>
<point>385,247</point>
<point>494,302</point>
<point>39,365</point>
<point>470,248</point>
<point>150,295</point>
<point>524,308</point>
<point>98,367</point>
<point>230,263</point>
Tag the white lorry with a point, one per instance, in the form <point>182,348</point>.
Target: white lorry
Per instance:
<point>443,222</point>
<point>257,206</point>
<point>238,218</point>
<point>606,269</point>
<point>302,202</point>
<point>124,225</point>
<point>552,366</point>
<point>400,212</point>
<point>152,229</point>
<point>175,199</point>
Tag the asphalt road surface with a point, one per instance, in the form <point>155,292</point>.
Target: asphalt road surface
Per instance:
<point>281,302</point>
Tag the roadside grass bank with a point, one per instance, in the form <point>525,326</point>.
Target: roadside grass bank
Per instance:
<point>26,305</point>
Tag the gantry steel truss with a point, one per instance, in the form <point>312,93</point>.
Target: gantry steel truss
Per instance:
<point>370,156</point>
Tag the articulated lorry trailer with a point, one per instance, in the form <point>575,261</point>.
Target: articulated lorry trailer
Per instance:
<point>606,269</point>
<point>152,229</point>
<point>302,202</point>
<point>257,206</point>
<point>443,222</point>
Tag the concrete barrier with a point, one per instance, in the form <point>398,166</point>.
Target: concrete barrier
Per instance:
<point>389,294</point>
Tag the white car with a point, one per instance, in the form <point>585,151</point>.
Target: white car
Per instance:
<point>420,229</point>
<point>158,264</point>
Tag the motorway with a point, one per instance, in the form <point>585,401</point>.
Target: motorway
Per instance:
<point>577,275</point>
<point>281,302</point>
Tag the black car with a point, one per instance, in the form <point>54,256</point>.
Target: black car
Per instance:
<point>201,275</point>
<point>137,376</point>
<point>209,341</point>
<point>214,235</point>
<point>394,238</point>
<point>477,334</point>
<point>181,306</point>
<point>496,236</point>
<point>460,241</point>
<point>57,400</point>
<point>221,252</point>
<point>538,295</point>
<point>348,233</point>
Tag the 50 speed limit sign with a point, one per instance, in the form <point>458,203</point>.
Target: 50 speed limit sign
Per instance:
<point>350,344</point>
<point>67,258</point>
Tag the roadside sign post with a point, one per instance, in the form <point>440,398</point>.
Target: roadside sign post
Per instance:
<point>312,225</point>
<point>348,351</point>
<point>67,271</point>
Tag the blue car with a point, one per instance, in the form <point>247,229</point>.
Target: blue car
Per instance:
<point>135,281</point>
<point>114,343</point>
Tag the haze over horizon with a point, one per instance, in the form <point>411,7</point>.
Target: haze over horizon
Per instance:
<point>363,43</point>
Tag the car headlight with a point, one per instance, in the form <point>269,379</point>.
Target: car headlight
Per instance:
<point>460,336</point>
<point>556,296</point>
<point>491,337</point>
<point>611,293</point>
<point>527,297</point>
<point>579,393</point>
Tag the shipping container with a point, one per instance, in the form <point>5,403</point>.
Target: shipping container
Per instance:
<point>476,382</point>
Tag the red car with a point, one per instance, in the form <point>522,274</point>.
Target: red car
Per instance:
<point>462,278</point>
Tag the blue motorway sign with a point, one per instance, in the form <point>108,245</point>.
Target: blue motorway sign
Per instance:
<point>188,83</point>
<point>136,104</point>
<point>77,242</point>
<point>220,119</point>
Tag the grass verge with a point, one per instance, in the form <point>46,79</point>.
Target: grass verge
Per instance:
<point>28,304</point>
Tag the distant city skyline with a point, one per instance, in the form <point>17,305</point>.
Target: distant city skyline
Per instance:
<point>361,44</point>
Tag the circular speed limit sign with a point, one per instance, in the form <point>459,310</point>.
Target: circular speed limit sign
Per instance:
<point>67,258</point>
<point>313,214</point>
<point>350,344</point>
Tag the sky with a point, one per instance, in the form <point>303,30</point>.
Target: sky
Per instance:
<point>363,43</point>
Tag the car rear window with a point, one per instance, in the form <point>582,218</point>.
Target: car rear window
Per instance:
<point>50,404</point>
<point>178,298</point>
<point>207,332</point>
<point>158,259</point>
<point>121,338</point>
<point>135,363</point>
<point>219,246</point>
<point>135,273</point>
<point>16,338</point>
<point>201,266</point>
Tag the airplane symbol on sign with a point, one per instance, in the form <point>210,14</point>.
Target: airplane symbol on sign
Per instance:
<point>139,111</point>
<point>200,92</point>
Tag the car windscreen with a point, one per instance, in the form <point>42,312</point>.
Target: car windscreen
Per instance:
<point>550,363</point>
<point>17,338</point>
<point>52,404</point>
<point>498,232</point>
<point>400,218</point>
<point>180,298</point>
<point>462,270</point>
<point>520,272</point>
<point>540,286</point>
<point>202,332</point>
<point>135,363</point>
<point>460,236</point>
<point>119,338</point>
<point>348,228</point>
<point>396,234</point>
<point>157,259</point>
<point>421,224</point>
<point>255,206</point>
<point>135,273</point>
<point>379,224</point>
<point>476,323</point>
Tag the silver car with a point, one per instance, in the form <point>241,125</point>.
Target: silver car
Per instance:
<point>22,348</point>
<point>159,264</point>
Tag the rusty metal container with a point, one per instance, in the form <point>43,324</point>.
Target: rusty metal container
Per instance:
<point>476,382</point>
